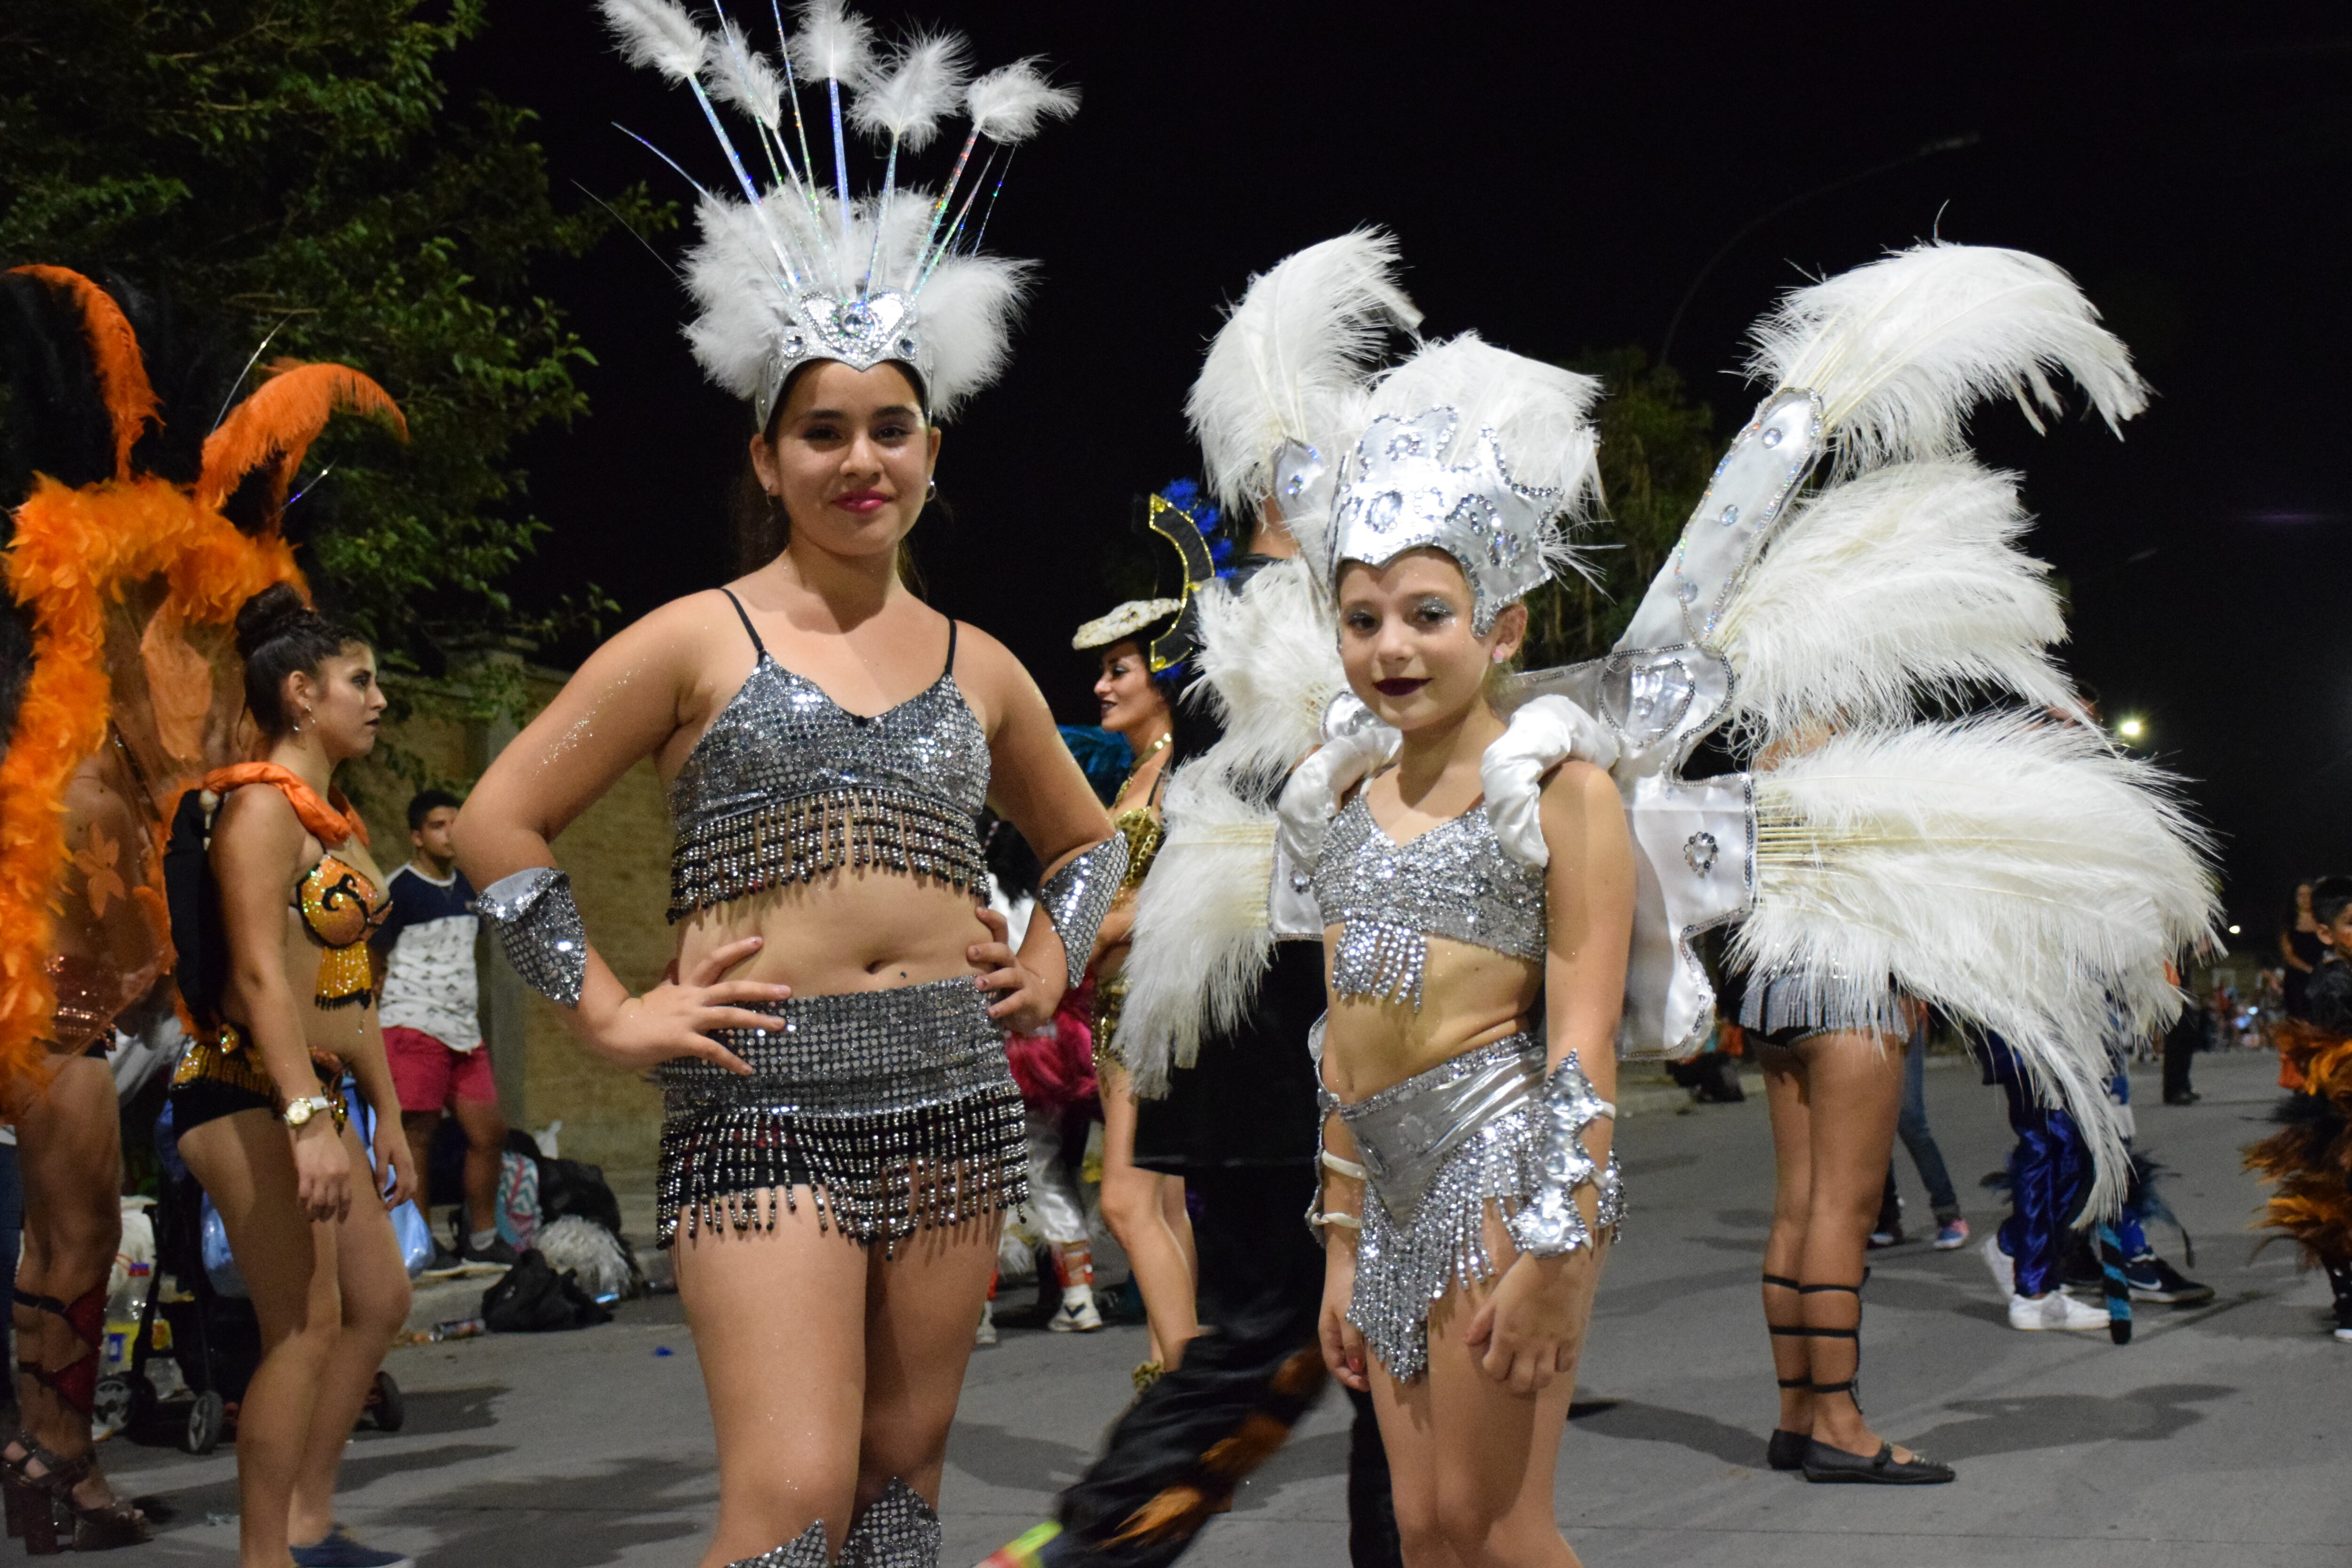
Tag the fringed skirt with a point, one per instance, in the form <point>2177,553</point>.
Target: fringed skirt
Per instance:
<point>894,1108</point>
<point>1438,1148</point>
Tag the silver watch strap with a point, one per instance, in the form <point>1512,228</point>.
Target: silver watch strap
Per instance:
<point>1549,1223</point>
<point>539,930</point>
<point>1077,897</point>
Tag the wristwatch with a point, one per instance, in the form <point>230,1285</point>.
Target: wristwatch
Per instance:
<point>298,1112</point>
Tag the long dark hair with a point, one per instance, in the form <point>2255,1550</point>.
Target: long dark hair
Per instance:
<point>277,633</point>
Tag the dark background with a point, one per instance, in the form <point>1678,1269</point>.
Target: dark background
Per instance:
<point>1559,176</point>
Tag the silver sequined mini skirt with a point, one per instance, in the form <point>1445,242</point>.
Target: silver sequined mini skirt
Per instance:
<point>1438,1148</point>
<point>895,1109</point>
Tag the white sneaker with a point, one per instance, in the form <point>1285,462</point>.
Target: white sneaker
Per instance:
<point>2056,1310</point>
<point>986,1333</point>
<point>1077,1314</point>
<point>2004,1268</point>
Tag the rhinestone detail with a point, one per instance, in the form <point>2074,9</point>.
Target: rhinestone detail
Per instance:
<point>1453,882</point>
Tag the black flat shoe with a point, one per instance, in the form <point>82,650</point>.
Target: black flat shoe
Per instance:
<point>1824,1464</point>
<point>1786,1451</point>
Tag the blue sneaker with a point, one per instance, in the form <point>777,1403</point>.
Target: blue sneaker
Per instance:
<point>1951,1234</point>
<point>339,1550</point>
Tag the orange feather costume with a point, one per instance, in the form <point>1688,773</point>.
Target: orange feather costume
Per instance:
<point>130,587</point>
<point>2310,1157</point>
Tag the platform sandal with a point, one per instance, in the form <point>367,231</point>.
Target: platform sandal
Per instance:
<point>64,1524</point>
<point>1824,1464</point>
<point>1785,1450</point>
<point>19,1491</point>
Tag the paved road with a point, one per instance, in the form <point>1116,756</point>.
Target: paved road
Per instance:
<point>2217,1436</point>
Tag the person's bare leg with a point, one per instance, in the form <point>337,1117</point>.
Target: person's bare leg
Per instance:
<point>1786,1098</point>
<point>1855,1083</point>
<point>485,1142</point>
<point>1481,1457</point>
<point>779,1322</point>
<point>919,1308</point>
<point>245,1163</point>
<point>1133,1207</point>
<point>68,1149</point>
<point>1178,1220</point>
<point>374,1284</point>
<point>418,1127</point>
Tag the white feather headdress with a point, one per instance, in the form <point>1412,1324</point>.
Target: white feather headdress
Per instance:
<point>793,268</point>
<point>1484,454</point>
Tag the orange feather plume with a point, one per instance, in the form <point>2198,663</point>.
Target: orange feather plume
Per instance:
<point>123,382</point>
<point>276,424</point>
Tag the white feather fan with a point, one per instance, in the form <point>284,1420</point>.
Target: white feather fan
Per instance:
<point>1303,335</point>
<point>2015,871</point>
<point>658,34</point>
<point>1270,655</point>
<point>1902,349</point>
<point>1905,583</point>
<point>1201,942</point>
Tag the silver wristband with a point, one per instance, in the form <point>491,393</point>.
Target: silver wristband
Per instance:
<point>540,931</point>
<point>1077,897</point>
<point>1549,1223</point>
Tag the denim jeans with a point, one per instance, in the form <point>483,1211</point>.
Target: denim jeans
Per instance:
<point>1911,1126</point>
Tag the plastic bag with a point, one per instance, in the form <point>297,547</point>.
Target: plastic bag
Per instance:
<point>408,1223</point>
<point>220,1264</point>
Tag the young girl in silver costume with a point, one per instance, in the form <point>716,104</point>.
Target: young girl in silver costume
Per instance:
<point>841,1131</point>
<point>1469,1052</point>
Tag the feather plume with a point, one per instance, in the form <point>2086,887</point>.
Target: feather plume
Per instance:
<point>1200,940</point>
<point>659,34</point>
<point>833,44</point>
<point>740,75</point>
<point>1010,102</point>
<point>923,82</point>
<point>2015,871</point>
<point>122,385</point>
<point>1902,349</point>
<point>1304,333</point>
<point>1270,659</point>
<point>1903,585</point>
<point>276,425</point>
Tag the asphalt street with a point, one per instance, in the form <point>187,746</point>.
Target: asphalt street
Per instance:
<point>2217,1436</point>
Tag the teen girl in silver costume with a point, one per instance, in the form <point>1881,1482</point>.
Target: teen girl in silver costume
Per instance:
<point>841,1133</point>
<point>1469,1190</point>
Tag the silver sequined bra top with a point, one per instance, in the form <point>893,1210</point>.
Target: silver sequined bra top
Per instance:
<point>787,785</point>
<point>1451,881</point>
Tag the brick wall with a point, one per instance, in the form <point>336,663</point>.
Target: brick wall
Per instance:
<point>618,855</point>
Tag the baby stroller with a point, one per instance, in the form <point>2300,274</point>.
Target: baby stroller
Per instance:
<point>210,1333</point>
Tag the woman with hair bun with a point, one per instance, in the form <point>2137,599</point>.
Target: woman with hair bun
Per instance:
<point>274,897</point>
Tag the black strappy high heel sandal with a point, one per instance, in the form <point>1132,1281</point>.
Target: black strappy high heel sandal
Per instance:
<point>1786,1449</point>
<point>21,1495</point>
<point>44,1505</point>
<point>1823,1463</point>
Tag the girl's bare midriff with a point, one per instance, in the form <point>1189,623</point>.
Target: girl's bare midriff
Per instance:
<point>852,929</point>
<point>1471,997</point>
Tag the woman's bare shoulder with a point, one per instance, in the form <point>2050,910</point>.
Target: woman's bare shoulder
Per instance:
<point>990,672</point>
<point>256,819</point>
<point>1583,790</point>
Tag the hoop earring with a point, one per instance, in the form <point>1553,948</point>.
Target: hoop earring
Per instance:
<point>931,489</point>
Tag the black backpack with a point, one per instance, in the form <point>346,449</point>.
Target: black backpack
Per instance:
<point>531,1298</point>
<point>192,894</point>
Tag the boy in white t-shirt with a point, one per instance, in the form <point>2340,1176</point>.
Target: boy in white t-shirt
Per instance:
<point>432,1029</point>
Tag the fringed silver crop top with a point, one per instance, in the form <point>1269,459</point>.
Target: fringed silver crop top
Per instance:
<point>1453,882</point>
<point>787,785</point>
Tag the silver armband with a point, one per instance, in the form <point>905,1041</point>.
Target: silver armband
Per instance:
<point>1077,897</point>
<point>1549,1223</point>
<point>539,930</point>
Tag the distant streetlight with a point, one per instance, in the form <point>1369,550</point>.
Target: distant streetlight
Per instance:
<point>2130,729</point>
<point>2233,931</point>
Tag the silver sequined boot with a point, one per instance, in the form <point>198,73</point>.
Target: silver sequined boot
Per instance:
<point>899,1532</point>
<point>808,1552</point>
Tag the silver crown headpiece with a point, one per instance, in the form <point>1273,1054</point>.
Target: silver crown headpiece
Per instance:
<point>793,271</point>
<point>1491,475</point>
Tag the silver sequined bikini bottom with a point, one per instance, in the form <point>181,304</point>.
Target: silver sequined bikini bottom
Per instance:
<point>894,1108</point>
<point>1438,1148</point>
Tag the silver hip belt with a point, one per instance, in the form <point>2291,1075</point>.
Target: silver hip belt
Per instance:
<point>1436,1149</point>
<point>895,1108</point>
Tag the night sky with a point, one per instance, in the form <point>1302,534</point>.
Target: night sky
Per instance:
<point>1559,176</point>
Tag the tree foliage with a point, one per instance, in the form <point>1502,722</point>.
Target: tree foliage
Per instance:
<point>293,170</point>
<point>1657,450</point>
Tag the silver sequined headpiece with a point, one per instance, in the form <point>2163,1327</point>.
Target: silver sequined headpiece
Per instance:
<point>1397,494</point>
<point>798,270</point>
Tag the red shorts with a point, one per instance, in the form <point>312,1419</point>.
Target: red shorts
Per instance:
<point>429,1076</point>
